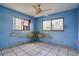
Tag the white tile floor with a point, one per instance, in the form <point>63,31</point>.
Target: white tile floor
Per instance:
<point>38,49</point>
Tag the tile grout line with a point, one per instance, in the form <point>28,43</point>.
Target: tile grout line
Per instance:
<point>44,49</point>
<point>36,48</point>
<point>51,50</point>
<point>33,49</point>
<point>14,52</point>
<point>36,51</point>
<point>39,51</point>
<point>48,52</point>
<point>24,51</point>
<point>58,51</point>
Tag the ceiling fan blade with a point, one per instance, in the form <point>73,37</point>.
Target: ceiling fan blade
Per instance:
<point>39,5</point>
<point>47,9</point>
<point>35,7</point>
<point>31,12</point>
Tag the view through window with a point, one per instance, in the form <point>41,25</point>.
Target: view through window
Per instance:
<point>54,24</point>
<point>21,24</point>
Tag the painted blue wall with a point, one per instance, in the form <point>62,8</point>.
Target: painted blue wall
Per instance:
<point>68,37</point>
<point>6,27</point>
<point>78,29</point>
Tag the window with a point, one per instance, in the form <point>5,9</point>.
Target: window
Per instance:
<point>54,24</point>
<point>57,24</point>
<point>47,25</point>
<point>21,24</point>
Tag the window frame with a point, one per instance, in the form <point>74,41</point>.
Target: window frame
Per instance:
<point>51,24</point>
<point>21,24</point>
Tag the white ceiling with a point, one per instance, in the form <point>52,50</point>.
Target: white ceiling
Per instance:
<point>27,8</point>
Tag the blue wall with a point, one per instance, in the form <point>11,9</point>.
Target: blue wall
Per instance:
<point>68,37</point>
<point>6,27</point>
<point>78,29</point>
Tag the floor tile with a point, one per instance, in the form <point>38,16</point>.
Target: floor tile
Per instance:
<point>32,52</point>
<point>42,53</point>
<point>52,52</point>
<point>41,47</point>
<point>10,54</point>
<point>63,52</point>
<point>17,50</point>
<point>48,46</point>
<point>26,49</point>
<point>0,53</point>
<point>22,46</point>
<point>56,48</point>
<point>5,51</point>
<point>38,49</point>
<point>26,54</point>
<point>72,52</point>
<point>20,53</point>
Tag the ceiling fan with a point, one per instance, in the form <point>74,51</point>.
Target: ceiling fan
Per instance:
<point>39,10</point>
